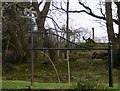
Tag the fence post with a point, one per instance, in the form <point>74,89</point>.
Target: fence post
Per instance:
<point>110,61</point>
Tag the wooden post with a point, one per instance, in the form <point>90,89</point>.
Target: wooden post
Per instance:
<point>32,61</point>
<point>68,66</point>
<point>68,38</point>
<point>1,44</point>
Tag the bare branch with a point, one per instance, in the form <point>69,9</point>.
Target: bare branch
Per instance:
<point>46,8</point>
<point>118,13</point>
<point>54,22</point>
<point>59,8</point>
<point>86,7</point>
<point>101,10</point>
<point>35,5</point>
<point>40,2</point>
<point>89,12</point>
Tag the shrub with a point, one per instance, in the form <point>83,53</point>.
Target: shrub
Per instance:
<point>74,57</point>
<point>85,83</point>
<point>8,66</point>
<point>10,58</point>
<point>89,44</point>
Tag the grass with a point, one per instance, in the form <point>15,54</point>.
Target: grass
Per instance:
<point>45,76</point>
<point>10,84</point>
<point>16,84</point>
<point>115,86</point>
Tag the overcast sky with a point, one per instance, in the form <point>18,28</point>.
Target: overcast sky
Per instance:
<point>78,20</point>
<point>83,20</point>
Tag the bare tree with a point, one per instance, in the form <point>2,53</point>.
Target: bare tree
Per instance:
<point>15,27</point>
<point>41,18</point>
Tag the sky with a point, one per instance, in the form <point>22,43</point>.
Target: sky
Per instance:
<point>78,20</point>
<point>85,20</point>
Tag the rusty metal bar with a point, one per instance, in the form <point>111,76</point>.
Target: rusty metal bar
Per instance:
<point>110,59</point>
<point>68,49</point>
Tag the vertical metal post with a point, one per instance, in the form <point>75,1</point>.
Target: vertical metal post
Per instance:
<point>93,34</point>
<point>110,59</point>
<point>32,61</point>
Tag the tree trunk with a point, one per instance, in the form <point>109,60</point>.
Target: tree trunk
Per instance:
<point>41,16</point>
<point>23,39</point>
<point>111,35</point>
<point>17,32</point>
<point>116,52</point>
<point>14,39</point>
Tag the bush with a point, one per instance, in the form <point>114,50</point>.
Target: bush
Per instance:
<point>85,83</point>
<point>86,45</point>
<point>74,57</point>
<point>89,44</point>
<point>8,66</point>
<point>10,59</point>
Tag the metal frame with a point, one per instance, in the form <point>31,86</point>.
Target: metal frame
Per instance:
<point>110,58</point>
<point>110,61</point>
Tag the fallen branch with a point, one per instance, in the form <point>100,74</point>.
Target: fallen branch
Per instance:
<point>53,66</point>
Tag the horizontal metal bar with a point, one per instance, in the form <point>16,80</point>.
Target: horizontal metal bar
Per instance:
<point>68,49</point>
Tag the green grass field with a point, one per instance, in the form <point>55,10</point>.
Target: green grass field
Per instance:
<point>10,84</point>
<point>15,84</point>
